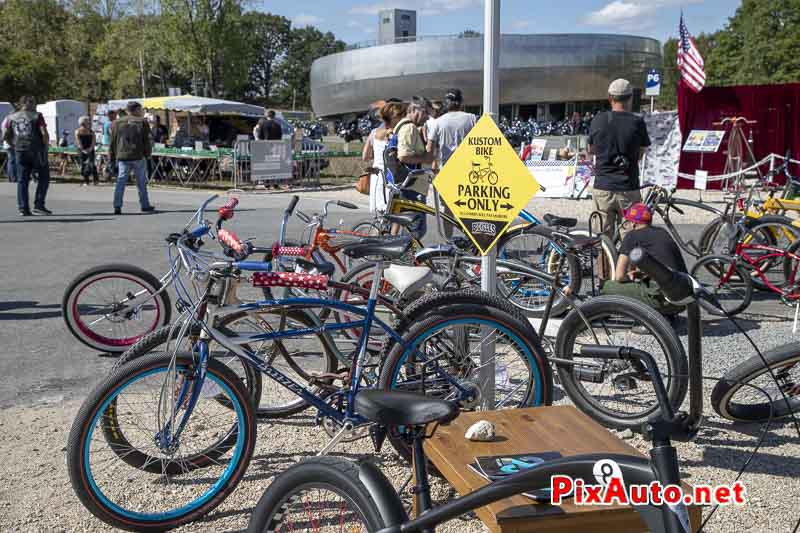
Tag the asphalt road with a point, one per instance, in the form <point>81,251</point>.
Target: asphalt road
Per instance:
<point>41,361</point>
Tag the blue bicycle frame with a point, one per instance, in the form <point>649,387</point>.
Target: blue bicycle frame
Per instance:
<point>234,344</point>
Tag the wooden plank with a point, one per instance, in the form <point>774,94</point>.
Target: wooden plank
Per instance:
<point>539,429</point>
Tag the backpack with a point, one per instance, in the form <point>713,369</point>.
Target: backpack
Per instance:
<point>396,172</point>
<point>24,131</point>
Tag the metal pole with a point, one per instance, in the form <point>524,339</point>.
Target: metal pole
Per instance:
<point>491,106</point>
<point>652,104</point>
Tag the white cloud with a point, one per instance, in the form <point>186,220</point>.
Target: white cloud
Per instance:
<point>630,14</point>
<point>521,24</point>
<point>304,19</point>
<point>423,7</point>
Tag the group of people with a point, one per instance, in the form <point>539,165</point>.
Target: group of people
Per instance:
<point>419,133</point>
<point>129,141</point>
<point>413,135</point>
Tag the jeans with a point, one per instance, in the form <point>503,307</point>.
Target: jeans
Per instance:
<point>139,169</point>
<point>11,166</point>
<point>27,162</point>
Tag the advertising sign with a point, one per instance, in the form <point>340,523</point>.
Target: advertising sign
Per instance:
<point>485,184</point>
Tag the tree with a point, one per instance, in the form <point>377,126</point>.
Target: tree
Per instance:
<point>469,33</point>
<point>268,36</point>
<point>205,39</point>
<point>305,46</point>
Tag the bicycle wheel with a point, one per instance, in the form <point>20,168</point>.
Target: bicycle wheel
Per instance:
<point>320,494</point>
<point>728,281</point>
<point>618,393</point>
<point>148,487</point>
<point>363,275</point>
<point>775,232</point>
<point>533,248</point>
<point>156,342</point>
<point>110,307</point>
<point>440,356</point>
<point>737,397</point>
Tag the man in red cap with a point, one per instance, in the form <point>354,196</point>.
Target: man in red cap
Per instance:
<point>628,281</point>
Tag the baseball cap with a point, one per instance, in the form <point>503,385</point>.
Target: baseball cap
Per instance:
<point>620,87</point>
<point>638,213</point>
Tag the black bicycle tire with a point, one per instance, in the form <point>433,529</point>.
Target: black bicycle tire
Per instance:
<point>740,375</point>
<point>131,270</point>
<point>741,272</point>
<point>334,472</point>
<point>87,412</point>
<point>481,305</point>
<point>560,304</point>
<point>676,383</point>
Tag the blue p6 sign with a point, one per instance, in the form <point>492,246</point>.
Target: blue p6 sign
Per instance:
<point>653,84</point>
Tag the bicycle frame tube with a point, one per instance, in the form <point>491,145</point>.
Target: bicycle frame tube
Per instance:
<point>369,319</point>
<point>635,471</point>
<point>741,253</point>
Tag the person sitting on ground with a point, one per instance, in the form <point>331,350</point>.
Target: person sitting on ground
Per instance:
<point>657,242</point>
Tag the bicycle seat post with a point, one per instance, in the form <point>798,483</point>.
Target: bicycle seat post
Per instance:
<point>421,489</point>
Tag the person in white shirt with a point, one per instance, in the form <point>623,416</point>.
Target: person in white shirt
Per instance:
<point>447,133</point>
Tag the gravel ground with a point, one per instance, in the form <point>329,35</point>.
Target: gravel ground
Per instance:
<point>36,495</point>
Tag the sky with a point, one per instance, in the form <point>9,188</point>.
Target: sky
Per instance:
<point>357,20</point>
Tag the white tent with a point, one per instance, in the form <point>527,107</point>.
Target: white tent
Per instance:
<point>61,115</point>
<point>192,104</point>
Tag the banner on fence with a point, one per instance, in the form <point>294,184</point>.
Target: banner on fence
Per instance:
<point>270,160</point>
<point>660,163</point>
<point>561,179</point>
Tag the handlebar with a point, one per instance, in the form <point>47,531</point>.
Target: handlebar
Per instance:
<point>346,205</point>
<point>226,211</point>
<point>292,205</point>
<point>200,213</point>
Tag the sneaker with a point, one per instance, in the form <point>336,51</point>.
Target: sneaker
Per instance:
<point>42,211</point>
<point>117,210</point>
<point>148,209</point>
<point>25,212</point>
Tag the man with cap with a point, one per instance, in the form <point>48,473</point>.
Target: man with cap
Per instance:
<point>131,147</point>
<point>618,139</point>
<point>655,241</point>
<point>447,132</point>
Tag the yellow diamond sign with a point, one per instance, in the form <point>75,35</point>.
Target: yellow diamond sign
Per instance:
<point>485,184</point>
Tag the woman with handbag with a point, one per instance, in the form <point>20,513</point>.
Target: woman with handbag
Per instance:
<point>85,141</point>
<point>390,113</point>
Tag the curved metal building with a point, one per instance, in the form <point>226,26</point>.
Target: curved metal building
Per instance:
<point>534,69</point>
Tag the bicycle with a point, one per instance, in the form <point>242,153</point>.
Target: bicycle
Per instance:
<point>363,499</point>
<point>110,307</point>
<point>477,174</point>
<point>611,392</point>
<point>196,436</point>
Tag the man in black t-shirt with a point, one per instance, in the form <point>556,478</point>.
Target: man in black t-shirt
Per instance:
<point>268,128</point>
<point>618,139</point>
<point>656,242</point>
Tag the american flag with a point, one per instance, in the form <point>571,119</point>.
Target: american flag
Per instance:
<point>690,62</point>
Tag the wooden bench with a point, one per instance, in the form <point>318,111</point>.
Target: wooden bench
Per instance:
<point>560,428</point>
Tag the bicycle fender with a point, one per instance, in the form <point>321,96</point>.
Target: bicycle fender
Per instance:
<point>383,494</point>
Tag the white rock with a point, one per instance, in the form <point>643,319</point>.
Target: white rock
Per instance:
<point>481,431</point>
